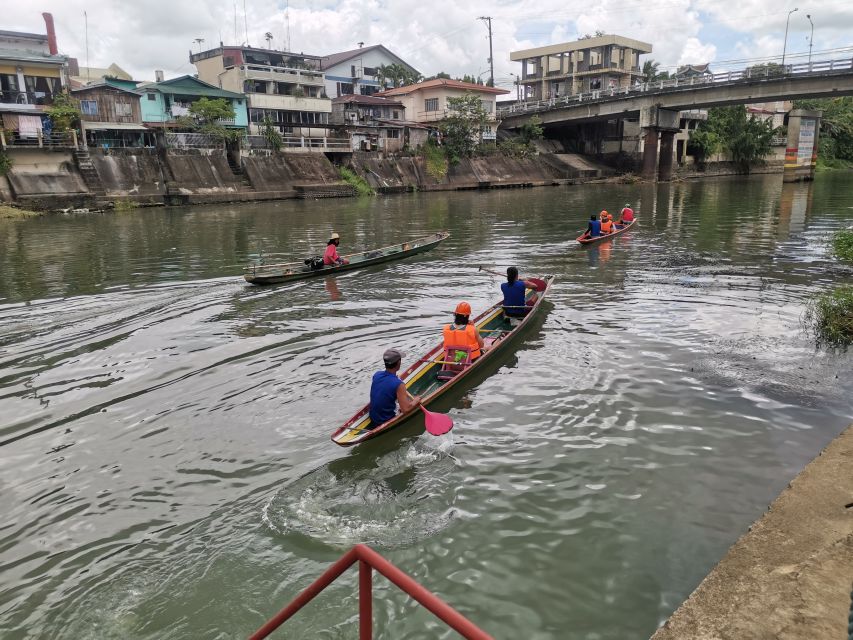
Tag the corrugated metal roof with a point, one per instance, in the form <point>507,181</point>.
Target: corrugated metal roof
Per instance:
<point>336,58</point>
<point>359,99</point>
<point>190,86</point>
<point>442,82</point>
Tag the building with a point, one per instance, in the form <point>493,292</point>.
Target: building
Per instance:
<point>372,123</point>
<point>285,89</point>
<point>32,73</point>
<point>111,116</point>
<point>163,102</point>
<point>689,71</point>
<point>606,62</point>
<point>359,71</point>
<point>428,101</point>
<point>80,76</point>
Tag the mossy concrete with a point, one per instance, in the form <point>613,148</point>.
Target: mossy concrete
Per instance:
<point>790,576</point>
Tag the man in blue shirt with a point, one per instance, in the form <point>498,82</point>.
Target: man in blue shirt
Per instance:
<point>387,390</point>
<point>593,229</point>
<point>515,304</point>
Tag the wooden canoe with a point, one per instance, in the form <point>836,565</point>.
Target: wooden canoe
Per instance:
<point>583,240</point>
<point>290,271</point>
<point>421,377</point>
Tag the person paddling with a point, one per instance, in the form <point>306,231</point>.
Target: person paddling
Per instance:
<point>331,257</point>
<point>606,223</point>
<point>626,216</point>
<point>593,228</point>
<point>514,290</point>
<point>387,390</point>
<point>461,333</point>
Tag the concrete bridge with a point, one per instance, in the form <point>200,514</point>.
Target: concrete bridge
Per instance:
<point>657,105</point>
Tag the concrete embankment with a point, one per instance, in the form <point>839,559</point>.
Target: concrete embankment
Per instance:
<point>790,576</point>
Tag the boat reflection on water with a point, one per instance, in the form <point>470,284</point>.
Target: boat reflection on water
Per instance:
<point>332,288</point>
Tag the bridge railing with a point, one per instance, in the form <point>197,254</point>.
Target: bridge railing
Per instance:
<point>771,70</point>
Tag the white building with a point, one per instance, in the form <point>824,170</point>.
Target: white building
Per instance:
<point>357,71</point>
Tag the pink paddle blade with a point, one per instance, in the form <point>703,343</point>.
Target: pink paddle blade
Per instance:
<point>437,423</point>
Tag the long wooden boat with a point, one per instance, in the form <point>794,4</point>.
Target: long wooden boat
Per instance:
<point>619,230</point>
<point>422,379</point>
<point>290,271</point>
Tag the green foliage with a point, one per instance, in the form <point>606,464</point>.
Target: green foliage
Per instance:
<point>531,130</point>
<point>272,135</point>
<point>651,71</point>
<point>829,316</point>
<point>125,205</point>
<point>63,113</point>
<point>842,245</point>
<point>5,163</point>
<point>463,127</point>
<point>14,212</point>
<point>362,188</point>
<point>516,148</point>
<point>436,163</point>
<point>207,110</point>
<point>745,137</point>
<point>397,74</point>
<point>835,146</point>
<point>767,70</point>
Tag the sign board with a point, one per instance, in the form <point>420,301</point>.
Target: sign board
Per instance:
<point>490,135</point>
<point>805,148</point>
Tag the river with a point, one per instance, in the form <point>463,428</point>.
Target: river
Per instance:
<point>166,470</point>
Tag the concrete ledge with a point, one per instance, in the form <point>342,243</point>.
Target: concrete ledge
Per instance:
<point>790,576</point>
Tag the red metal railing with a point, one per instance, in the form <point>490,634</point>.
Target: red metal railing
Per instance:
<point>368,560</point>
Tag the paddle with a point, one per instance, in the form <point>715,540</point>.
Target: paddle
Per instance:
<point>538,284</point>
<point>436,423</point>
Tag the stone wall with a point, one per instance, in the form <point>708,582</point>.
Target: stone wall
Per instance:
<point>43,172</point>
<point>129,172</point>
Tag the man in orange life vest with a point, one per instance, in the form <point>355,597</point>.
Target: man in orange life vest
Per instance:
<point>606,223</point>
<point>462,334</point>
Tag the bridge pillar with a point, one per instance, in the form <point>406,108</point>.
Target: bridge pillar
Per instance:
<point>650,153</point>
<point>667,153</point>
<point>801,152</point>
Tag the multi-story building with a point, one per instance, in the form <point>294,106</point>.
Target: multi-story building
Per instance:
<point>606,62</point>
<point>359,71</point>
<point>32,72</point>
<point>111,115</point>
<point>285,89</point>
<point>371,123</point>
<point>165,101</point>
<point>428,101</point>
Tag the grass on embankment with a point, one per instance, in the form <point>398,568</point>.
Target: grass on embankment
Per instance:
<point>13,212</point>
<point>842,245</point>
<point>830,317</point>
<point>362,188</point>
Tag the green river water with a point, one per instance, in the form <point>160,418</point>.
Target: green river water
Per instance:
<point>165,464</point>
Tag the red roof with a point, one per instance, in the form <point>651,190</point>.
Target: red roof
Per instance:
<point>359,99</point>
<point>442,82</point>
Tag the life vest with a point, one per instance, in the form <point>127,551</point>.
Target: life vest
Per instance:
<point>465,337</point>
<point>627,215</point>
<point>607,227</point>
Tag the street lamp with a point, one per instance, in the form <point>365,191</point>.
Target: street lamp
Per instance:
<point>811,39</point>
<point>785,46</point>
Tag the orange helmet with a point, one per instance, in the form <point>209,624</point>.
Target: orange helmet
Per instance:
<point>463,309</point>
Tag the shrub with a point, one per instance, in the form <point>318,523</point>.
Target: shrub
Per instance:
<point>362,188</point>
<point>436,164</point>
<point>5,164</point>
<point>829,317</point>
<point>125,205</point>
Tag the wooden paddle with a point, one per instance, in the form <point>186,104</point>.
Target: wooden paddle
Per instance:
<point>538,284</point>
<point>436,423</point>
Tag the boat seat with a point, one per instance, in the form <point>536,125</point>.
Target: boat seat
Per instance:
<point>454,361</point>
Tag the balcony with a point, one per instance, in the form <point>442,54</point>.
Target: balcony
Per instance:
<point>282,74</point>
<point>289,103</point>
<point>34,98</point>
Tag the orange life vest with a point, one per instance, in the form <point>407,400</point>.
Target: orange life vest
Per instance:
<point>607,227</point>
<point>466,337</point>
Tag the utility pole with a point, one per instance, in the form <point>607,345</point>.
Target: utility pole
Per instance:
<point>785,46</point>
<point>488,21</point>
<point>811,38</point>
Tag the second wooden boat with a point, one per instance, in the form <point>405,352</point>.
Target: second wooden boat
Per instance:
<point>290,271</point>
<point>619,230</point>
<point>433,375</point>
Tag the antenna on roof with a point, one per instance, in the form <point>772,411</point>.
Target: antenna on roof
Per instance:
<point>246,23</point>
<point>287,25</point>
<point>88,71</point>
<point>235,24</point>
<point>360,44</point>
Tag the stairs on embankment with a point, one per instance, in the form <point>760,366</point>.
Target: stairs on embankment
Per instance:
<point>89,173</point>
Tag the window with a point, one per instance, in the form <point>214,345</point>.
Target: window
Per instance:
<point>396,115</point>
<point>344,89</point>
<point>123,109</point>
<point>393,133</point>
<point>431,104</point>
<point>370,71</point>
<point>487,105</point>
<point>151,96</point>
<point>89,107</point>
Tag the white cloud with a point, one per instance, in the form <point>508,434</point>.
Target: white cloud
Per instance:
<point>695,52</point>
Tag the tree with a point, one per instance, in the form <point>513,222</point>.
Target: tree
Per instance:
<point>271,134</point>
<point>651,71</point>
<point>206,116</point>
<point>63,113</point>
<point>835,145</point>
<point>463,127</point>
<point>767,70</point>
<point>531,130</point>
<point>745,137</point>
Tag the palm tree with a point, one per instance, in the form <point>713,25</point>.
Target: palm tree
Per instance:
<point>650,70</point>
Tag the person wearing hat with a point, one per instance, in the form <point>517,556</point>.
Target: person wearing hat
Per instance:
<point>626,215</point>
<point>463,334</point>
<point>515,294</point>
<point>387,390</point>
<point>331,257</point>
<point>606,223</point>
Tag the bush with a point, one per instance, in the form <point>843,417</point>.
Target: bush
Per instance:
<point>5,164</point>
<point>362,188</point>
<point>125,205</point>
<point>829,317</point>
<point>517,148</point>
<point>436,164</point>
<point>842,245</point>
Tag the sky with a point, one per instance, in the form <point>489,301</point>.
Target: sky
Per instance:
<point>437,35</point>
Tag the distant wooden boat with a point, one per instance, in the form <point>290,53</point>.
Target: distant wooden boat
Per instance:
<point>290,271</point>
<point>619,230</point>
<point>432,375</point>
